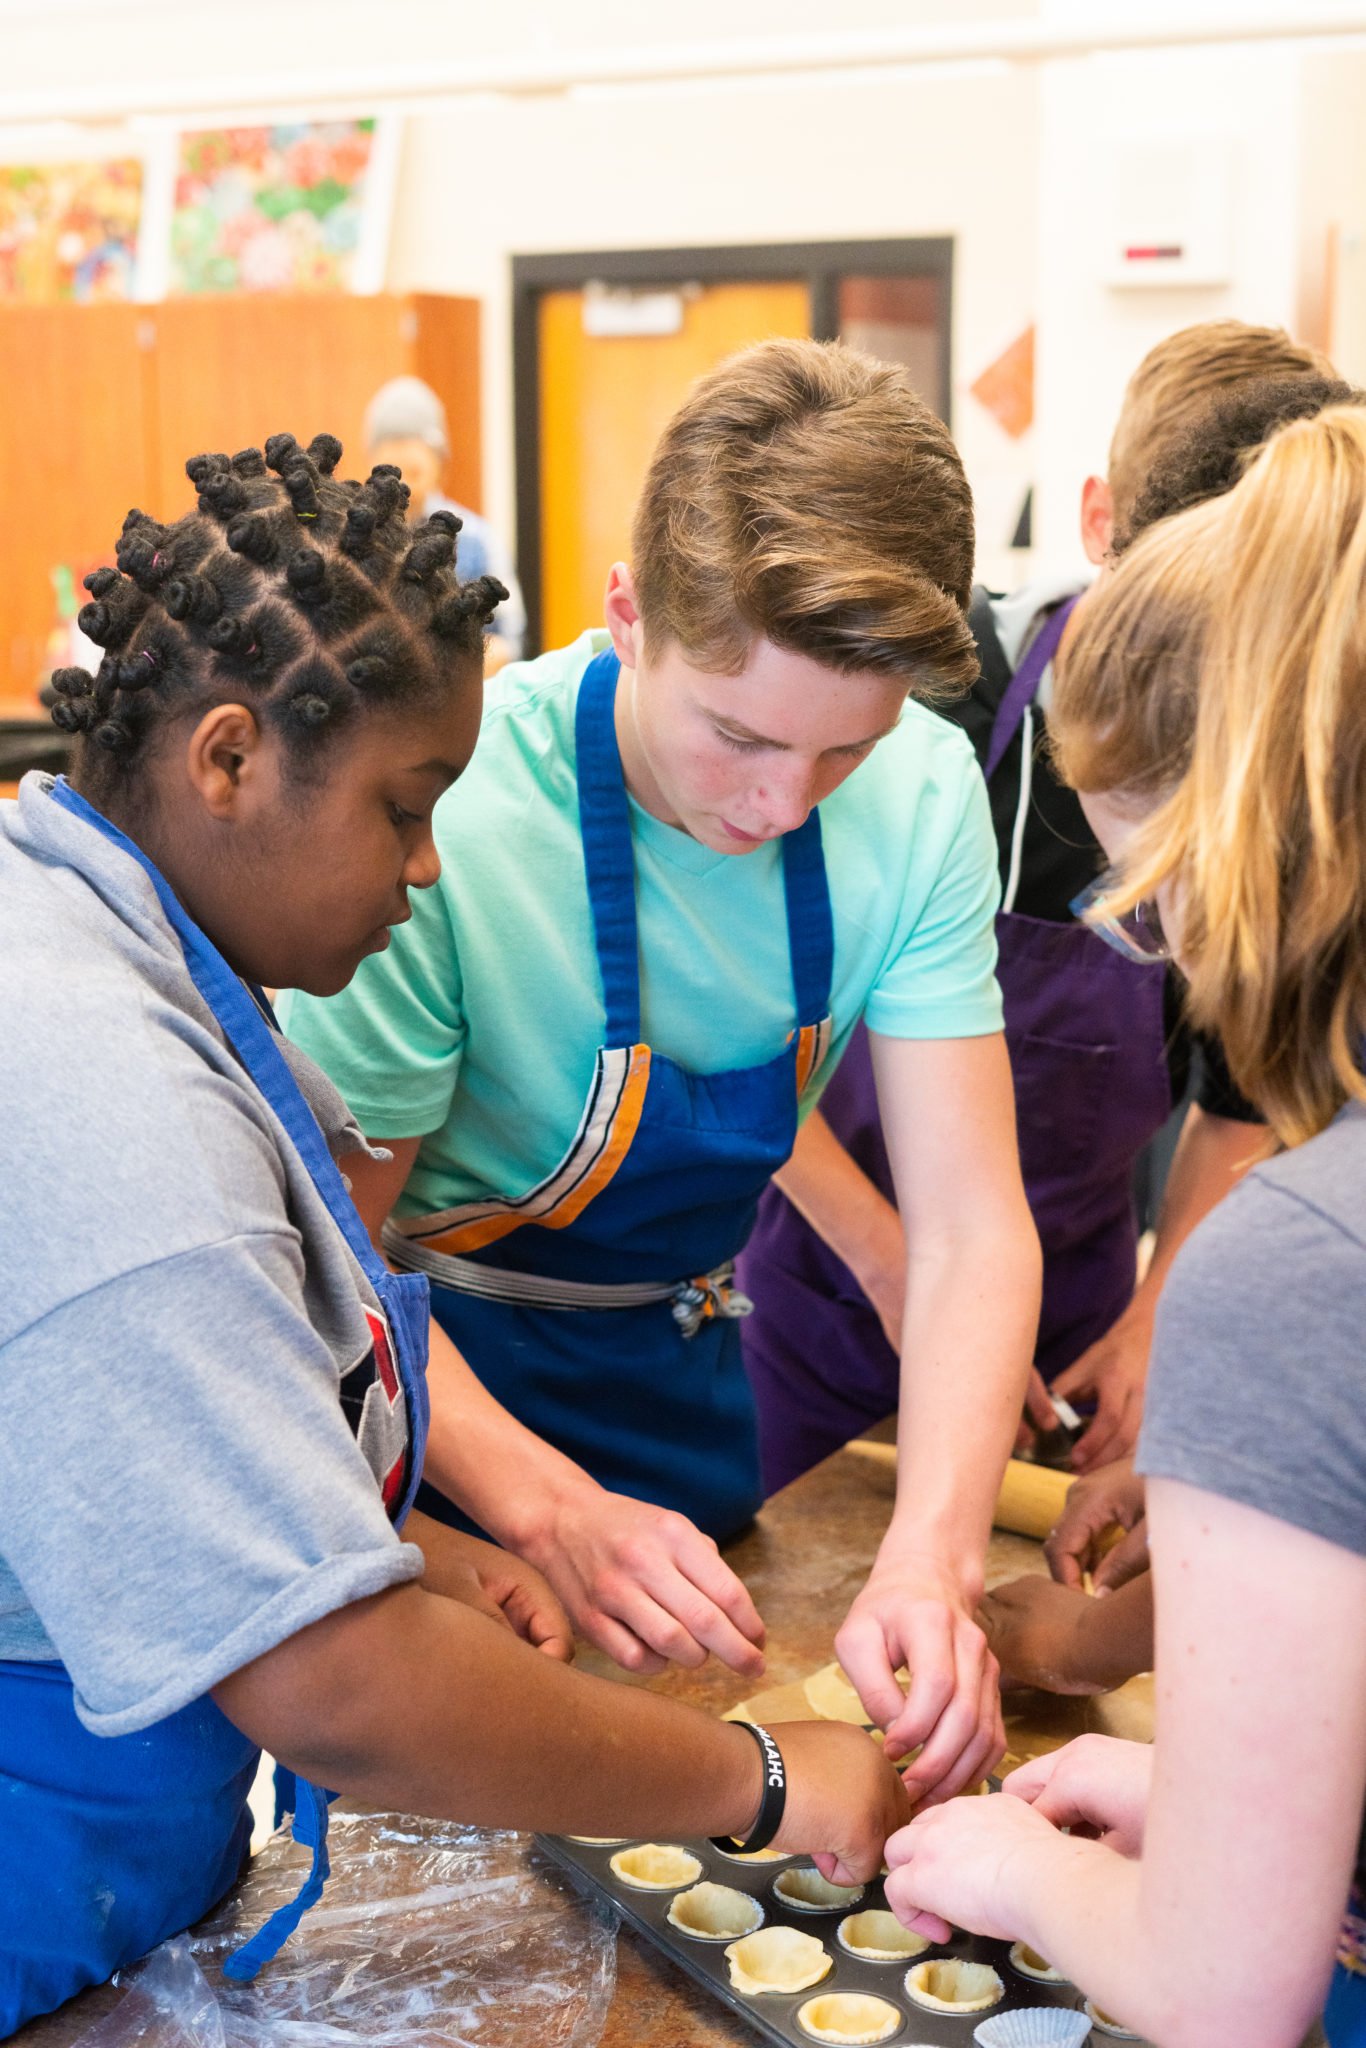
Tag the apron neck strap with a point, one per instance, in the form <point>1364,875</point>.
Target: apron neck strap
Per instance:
<point>1024,684</point>
<point>243,1014</point>
<point>605,826</point>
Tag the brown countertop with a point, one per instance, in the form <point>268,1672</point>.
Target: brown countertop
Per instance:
<point>803,1561</point>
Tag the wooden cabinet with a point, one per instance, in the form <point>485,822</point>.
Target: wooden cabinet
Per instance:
<point>101,405</point>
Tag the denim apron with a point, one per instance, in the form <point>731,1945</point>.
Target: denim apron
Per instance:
<point>109,1844</point>
<point>597,1306</point>
<point>1086,1036</point>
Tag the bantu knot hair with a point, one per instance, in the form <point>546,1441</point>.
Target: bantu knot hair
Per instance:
<point>135,518</point>
<point>232,636</point>
<point>358,535</point>
<point>368,671</point>
<point>101,581</point>
<point>248,462</point>
<point>74,709</point>
<point>139,671</point>
<point>386,469</point>
<point>478,600</point>
<point>141,555</point>
<point>193,598</point>
<point>391,493</point>
<point>251,534</point>
<point>432,551</point>
<point>306,575</point>
<point>117,607</point>
<point>326,451</point>
<point>281,450</point>
<point>442,521</point>
<point>200,468</point>
<point>222,494</point>
<point>301,481</point>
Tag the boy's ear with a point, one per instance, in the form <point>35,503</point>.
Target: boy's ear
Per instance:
<point>1097,518</point>
<point>621,615</point>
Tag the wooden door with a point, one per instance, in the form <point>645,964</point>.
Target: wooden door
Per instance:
<point>73,458</point>
<point>231,372</point>
<point>603,402</point>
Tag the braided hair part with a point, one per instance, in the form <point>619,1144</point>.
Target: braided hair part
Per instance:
<point>303,596</point>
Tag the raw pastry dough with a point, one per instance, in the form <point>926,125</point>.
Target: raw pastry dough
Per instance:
<point>656,1867</point>
<point>831,1696</point>
<point>715,1912</point>
<point>848,2016</point>
<point>1030,1963</point>
<point>954,1986</point>
<point>1108,2024</point>
<point>754,1855</point>
<point>879,1937</point>
<point>776,1959</point>
<point>806,1891</point>
<point>598,1841</point>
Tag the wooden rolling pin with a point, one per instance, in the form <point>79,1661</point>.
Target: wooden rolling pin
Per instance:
<point>1030,1499</point>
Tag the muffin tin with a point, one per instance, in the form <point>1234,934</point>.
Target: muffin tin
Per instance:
<point>773,2015</point>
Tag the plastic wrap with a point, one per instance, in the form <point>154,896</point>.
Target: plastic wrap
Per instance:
<point>429,1935</point>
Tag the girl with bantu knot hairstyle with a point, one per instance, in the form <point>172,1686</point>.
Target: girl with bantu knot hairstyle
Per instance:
<point>212,1400</point>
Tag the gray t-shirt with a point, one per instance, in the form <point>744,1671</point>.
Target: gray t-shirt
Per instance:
<point>1258,1382</point>
<point>180,1488</point>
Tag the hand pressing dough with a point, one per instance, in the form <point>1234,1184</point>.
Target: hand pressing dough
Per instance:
<point>715,1912</point>
<point>848,2016</point>
<point>1108,2024</point>
<point>1030,1963</point>
<point>879,1937</point>
<point>954,1986</point>
<point>776,1959</point>
<point>656,1867</point>
<point>806,1891</point>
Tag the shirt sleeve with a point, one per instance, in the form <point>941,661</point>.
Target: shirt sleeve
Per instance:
<point>179,1489</point>
<point>939,981</point>
<point>393,1040</point>
<point>1257,1390</point>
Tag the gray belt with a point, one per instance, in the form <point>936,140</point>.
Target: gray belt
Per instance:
<point>693,1302</point>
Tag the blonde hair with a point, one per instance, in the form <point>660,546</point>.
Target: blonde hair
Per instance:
<point>805,495</point>
<point>1175,382</point>
<point>1221,674</point>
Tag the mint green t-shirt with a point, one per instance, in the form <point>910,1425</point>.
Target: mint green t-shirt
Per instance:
<point>478,1028</point>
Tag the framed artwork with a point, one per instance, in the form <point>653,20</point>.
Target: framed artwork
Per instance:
<point>70,231</point>
<point>292,206</point>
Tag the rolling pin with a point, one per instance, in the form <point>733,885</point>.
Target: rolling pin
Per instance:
<point>1030,1499</point>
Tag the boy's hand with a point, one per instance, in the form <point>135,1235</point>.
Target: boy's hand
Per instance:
<point>1115,1371</point>
<point>1034,1628</point>
<point>1112,1497</point>
<point>1095,1785</point>
<point>505,1588</point>
<point>912,1612</point>
<point>843,1798</point>
<point>643,1584</point>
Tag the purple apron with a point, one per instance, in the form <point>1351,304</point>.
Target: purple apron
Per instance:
<point>1086,1034</point>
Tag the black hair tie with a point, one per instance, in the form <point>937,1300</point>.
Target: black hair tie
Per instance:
<point>770,1816</point>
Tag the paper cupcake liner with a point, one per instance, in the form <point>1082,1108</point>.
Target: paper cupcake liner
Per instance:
<point>1034,2026</point>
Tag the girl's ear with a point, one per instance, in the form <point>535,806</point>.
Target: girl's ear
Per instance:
<point>223,760</point>
<point>1097,518</point>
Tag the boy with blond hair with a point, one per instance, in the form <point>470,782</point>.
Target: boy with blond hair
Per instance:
<point>1099,1050</point>
<point>691,852</point>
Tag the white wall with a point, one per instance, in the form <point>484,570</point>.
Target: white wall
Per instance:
<point>952,153</point>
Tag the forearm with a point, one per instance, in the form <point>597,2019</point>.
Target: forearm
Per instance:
<point>456,1718</point>
<point>502,1474</point>
<point>1212,1155</point>
<point>972,1310</point>
<point>842,1205</point>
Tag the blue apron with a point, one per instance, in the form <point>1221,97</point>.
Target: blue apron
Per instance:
<point>661,1184</point>
<point>109,1844</point>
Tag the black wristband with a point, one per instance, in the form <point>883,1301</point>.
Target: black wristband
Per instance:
<point>770,1815</point>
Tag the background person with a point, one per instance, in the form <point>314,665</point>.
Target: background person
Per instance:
<point>1099,1049</point>
<point>692,851</point>
<point>405,423</point>
<point>1213,711</point>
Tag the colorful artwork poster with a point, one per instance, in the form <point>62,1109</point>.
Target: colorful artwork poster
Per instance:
<point>70,230</point>
<point>276,209</point>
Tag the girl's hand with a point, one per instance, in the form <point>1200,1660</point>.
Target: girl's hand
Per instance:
<point>1095,1785</point>
<point>503,1587</point>
<point>1113,1497</point>
<point>1034,1629</point>
<point>967,1864</point>
<point>843,1798</point>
